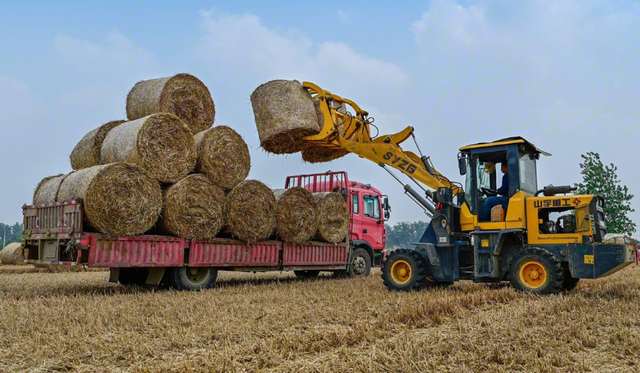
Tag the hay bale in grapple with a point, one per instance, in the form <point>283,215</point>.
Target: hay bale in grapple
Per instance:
<point>223,156</point>
<point>296,220</point>
<point>87,150</point>
<point>159,143</point>
<point>12,254</point>
<point>318,154</point>
<point>250,211</point>
<point>118,198</point>
<point>284,112</point>
<point>183,95</point>
<point>192,208</point>
<point>332,217</point>
<point>47,189</point>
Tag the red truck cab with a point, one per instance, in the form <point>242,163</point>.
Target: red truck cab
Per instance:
<point>368,207</point>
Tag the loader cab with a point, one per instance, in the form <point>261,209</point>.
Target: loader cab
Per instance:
<point>480,163</point>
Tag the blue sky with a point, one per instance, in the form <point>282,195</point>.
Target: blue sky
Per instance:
<point>562,73</point>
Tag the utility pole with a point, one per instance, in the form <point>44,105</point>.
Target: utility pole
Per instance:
<point>4,237</point>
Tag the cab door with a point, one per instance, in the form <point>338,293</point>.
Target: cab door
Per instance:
<point>372,228</point>
<point>356,216</point>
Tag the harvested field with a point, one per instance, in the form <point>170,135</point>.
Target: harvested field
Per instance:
<point>159,143</point>
<point>192,208</point>
<point>284,112</point>
<point>332,217</point>
<point>296,219</point>
<point>47,189</point>
<point>275,323</point>
<point>87,151</point>
<point>183,95</point>
<point>250,211</point>
<point>223,156</point>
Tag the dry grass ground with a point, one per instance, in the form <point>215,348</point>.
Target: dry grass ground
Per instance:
<point>68,322</point>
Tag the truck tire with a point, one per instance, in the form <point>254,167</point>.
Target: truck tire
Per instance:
<point>132,276</point>
<point>191,278</point>
<point>306,274</point>
<point>537,271</point>
<point>360,264</point>
<point>405,270</point>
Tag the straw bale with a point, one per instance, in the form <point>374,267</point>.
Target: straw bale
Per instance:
<point>47,189</point>
<point>12,254</point>
<point>192,208</point>
<point>318,154</point>
<point>250,211</point>
<point>332,216</point>
<point>296,220</point>
<point>87,151</point>
<point>118,198</point>
<point>223,156</point>
<point>284,113</point>
<point>159,143</point>
<point>183,95</point>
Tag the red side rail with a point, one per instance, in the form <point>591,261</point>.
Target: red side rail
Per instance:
<point>138,251</point>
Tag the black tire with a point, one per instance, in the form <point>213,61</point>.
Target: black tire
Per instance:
<point>569,283</point>
<point>191,278</point>
<point>405,270</point>
<point>360,264</point>
<point>537,271</point>
<point>133,276</point>
<point>307,274</point>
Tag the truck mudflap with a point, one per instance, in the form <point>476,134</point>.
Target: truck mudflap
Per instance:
<point>598,260</point>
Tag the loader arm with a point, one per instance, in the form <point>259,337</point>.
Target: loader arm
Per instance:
<point>344,132</point>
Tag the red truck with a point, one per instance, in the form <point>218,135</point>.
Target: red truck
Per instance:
<point>54,234</point>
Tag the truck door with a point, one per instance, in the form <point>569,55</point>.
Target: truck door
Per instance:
<point>356,217</point>
<point>372,229</point>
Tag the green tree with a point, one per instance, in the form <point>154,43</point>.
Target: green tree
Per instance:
<point>10,233</point>
<point>601,179</point>
<point>403,233</point>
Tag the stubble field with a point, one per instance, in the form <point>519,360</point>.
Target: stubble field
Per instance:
<point>78,322</point>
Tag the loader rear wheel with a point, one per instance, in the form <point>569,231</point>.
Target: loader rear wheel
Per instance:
<point>537,271</point>
<point>306,274</point>
<point>192,278</point>
<point>404,270</point>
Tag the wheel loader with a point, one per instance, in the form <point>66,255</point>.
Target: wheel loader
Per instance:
<point>543,240</point>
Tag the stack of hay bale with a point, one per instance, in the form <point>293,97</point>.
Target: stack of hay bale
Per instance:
<point>168,170</point>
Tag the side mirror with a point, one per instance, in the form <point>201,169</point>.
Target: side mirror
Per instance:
<point>386,215</point>
<point>462,165</point>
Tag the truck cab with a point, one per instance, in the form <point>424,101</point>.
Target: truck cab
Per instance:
<point>368,207</point>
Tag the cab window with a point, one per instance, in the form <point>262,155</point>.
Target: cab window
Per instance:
<point>356,206</point>
<point>528,175</point>
<point>372,207</point>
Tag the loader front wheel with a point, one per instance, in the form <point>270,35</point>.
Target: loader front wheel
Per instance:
<point>404,270</point>
<point>537,271</point>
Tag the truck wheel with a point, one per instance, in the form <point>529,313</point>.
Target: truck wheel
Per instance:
<point>537,271</point>
<point>306,274</point>
<point>405,270</point>
<point>360,264</point>
<point>192,278</point>
<point>132,276</point>
<point>569,283</point>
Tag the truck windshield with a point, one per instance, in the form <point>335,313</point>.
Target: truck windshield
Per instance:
<point>372,207</point>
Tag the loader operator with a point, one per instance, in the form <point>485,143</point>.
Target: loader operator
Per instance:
<point>503,191</point>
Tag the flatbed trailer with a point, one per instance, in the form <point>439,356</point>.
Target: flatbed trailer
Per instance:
<point>54,234</point>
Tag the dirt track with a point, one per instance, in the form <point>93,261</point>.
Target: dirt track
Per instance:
<point>80,322</point>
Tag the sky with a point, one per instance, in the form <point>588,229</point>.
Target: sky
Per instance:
<point>563,74</point>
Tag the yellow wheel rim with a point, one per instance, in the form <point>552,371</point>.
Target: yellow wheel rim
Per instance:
<point>533,275</point>
<point>401,271</point>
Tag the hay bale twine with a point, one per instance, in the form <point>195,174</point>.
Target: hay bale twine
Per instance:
<point>223,156</point>
<point>87,151</point>
<point>118,198</point>
<point>183,95</point>
<point>12,254</point>
<point>284,113</point>
<point>192,208</point>
<point>250,211</point>
<point>159,143</point>
<point>296,220</point>
<point>332,216</point>
<point>47,189</point>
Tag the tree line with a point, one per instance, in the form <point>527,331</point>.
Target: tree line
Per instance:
<point>10,233</point>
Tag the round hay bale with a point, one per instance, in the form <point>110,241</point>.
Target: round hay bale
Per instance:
<point>87,150</point>
<point>118,198</point>
<point>47,189</point>
<point>296,217</point>
<point>12,254</point>
<point>159,143</point>
<point>183,95</point>
<point>250,211</point>
<point>318,154</point>
<point>192,208</point>
<point>284,112</point>
<point>332,216</point>
<point>223,156</point>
